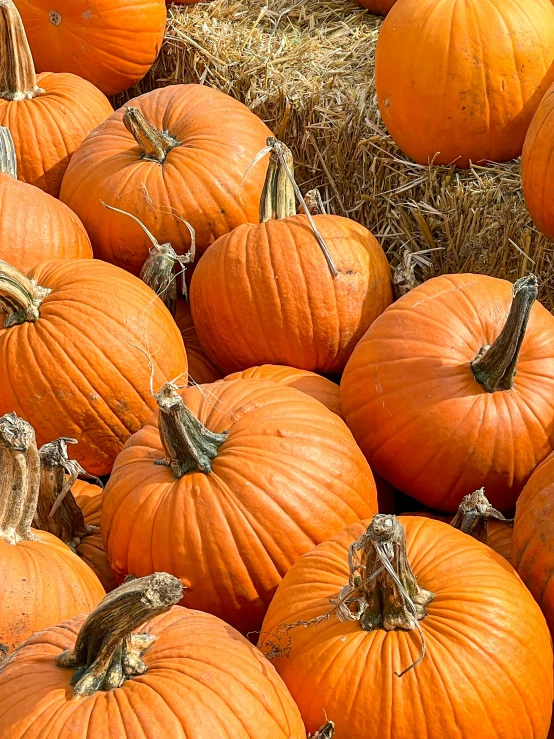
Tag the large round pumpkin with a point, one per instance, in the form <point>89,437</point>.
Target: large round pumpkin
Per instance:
<point>182,673</point>
<point>111,43</point>
<point>201,367</point>
<point>43,581</point>
<point>460,81</point>
<point>34,226</point>
<point>258,475</point>
<point>532,545</point>
<point>486,670</point>
<point>80,353</point>
<point>436,409</point>
<point>280,292</point>
<point>537,170</point>
<point>49,114</point>
<point>183,158</point>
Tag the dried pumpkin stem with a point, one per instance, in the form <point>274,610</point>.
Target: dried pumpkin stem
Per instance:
<point>106,652</point>
<point>18,80</point>
<point>327,731</point>
<point>494,368</point>
<point>155,144</point>
<point>474,514</point>
<point>19,479</point>
<point>20,298</point>
<point>57,510</point>
<point>314,203</point>
<point>189,446</point>
<point>8,160</point>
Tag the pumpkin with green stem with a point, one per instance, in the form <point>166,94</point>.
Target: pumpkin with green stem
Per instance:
<point>226,487</point>
<point>449,390</point>
<point>419,629</point>
<point>43,581</point>
<point>296,290</point>
<point>136,666</point>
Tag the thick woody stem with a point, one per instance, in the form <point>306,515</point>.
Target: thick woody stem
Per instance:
<point>18,80</point>
<point>494,367</point>
<point>155,144</point>
<point>474,514</point>
<point>189,446</point>
<point>19,479</point>
<point>20,298</point>
<point>314,203</point>
<point>57,510</point>
<point>327,731</point>
<point>403,277</point>
<point>106,652</point>
<point>8,160</point>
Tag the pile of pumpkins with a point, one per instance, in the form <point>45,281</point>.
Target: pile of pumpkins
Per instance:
<point>202,429</point>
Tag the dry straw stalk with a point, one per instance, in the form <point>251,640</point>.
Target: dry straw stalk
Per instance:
<point>306,67</point>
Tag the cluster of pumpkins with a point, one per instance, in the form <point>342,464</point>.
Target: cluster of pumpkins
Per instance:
<point>233,366</point>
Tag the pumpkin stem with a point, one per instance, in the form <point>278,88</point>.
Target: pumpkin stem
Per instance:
<point>314,203</point>
<point>403,278</point>
<point>327,731</point>
<point>279,191</point>
<point>155,144</point>
<point>18,80</point>
<point>8,161</point>
<point>494,367</point>
<point>189,446</point>
<point>474,514</point>
<point>57,510</point>
<point>106,652</point>
<point>19,479</point>
<point>20,298</point>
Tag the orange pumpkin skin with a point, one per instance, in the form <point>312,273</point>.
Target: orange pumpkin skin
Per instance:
<point>381,7</point>
<point>201,368</point>
<point>287,477</point>
<point>91,549</point>
<point>43,583</point>
<point>289,309</point>
<point>198,180</point>
<point>532,550</point>
<point>424,423</point>
<point>111,44</point>
<point>39,227</point>
<point>537,173</point>
<point>194,656</point>
<point>47,129</point>
<point>486,686</point>
<point>464,86</point>
<point>312,384</point>
<point>91,383</point>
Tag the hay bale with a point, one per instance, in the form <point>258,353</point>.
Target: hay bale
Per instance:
<point>306,67</point>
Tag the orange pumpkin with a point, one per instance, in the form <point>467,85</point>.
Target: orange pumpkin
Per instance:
<point>258,475</point>
<point>43,581</point>
<point>381,7</point>
<point>111,43</point>
<point>460,81</point>
<point>34,225</point>
<point>201,368</point>
<point>435,410</point>
<point>286,295</point>
<point>532,549</point>
<point>183,673</point>
<point>183,159</point>
<point>49,114</point>
<point>312,384</point>
<point>92,325</point>
<point>487,666</point>
<point>537,172</point>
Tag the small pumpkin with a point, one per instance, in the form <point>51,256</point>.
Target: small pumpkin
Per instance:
<point>70,509</point>
<point>43,581</point>
<point>432,395</point>
<point>111,44</point>
<point>138,667</point>
<point>347,640</point>
<point>227,487</point>
<point>34,225</point>
<point>380,7</point>
<point>103,339</point>
<point>288,294</point>
<point>312,384</point>
<point>460,82</point>
<point>172,157</point>
<point>48,115</point>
